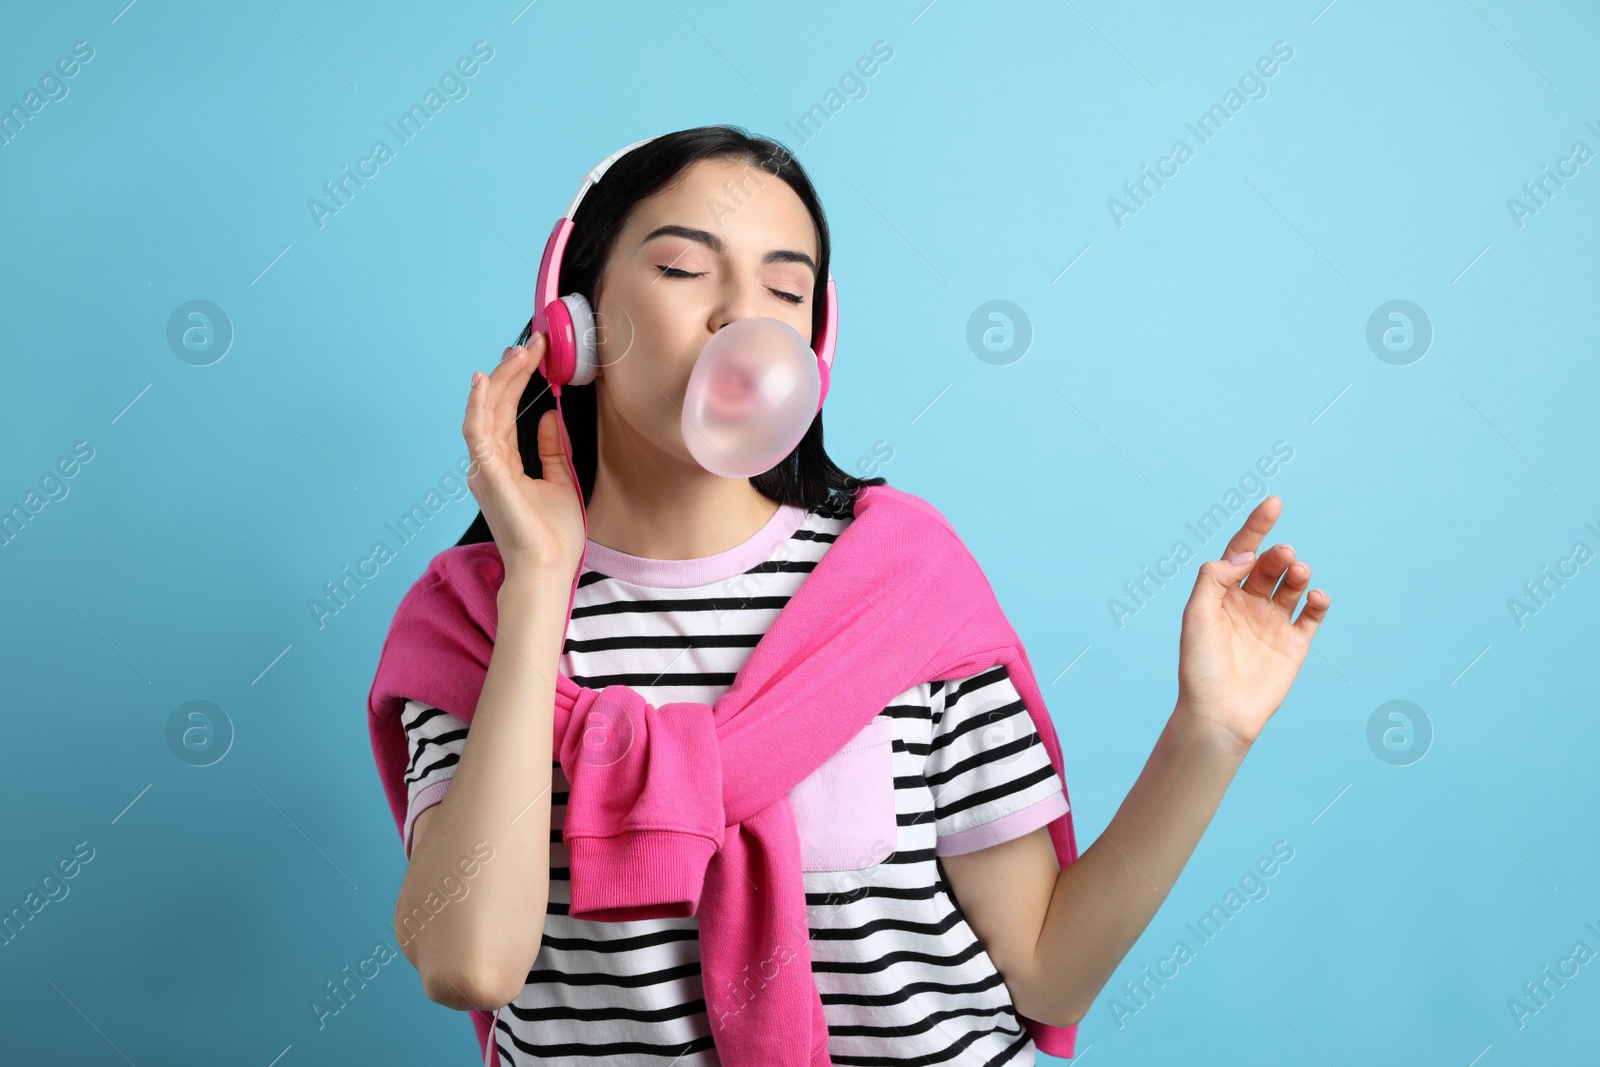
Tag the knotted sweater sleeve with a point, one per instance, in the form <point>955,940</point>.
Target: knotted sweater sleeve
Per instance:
<point>645,813</point>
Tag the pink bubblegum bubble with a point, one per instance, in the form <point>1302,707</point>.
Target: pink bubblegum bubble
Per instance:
<point>751,397</point>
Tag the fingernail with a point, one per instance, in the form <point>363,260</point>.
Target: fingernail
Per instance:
<point>507,354</point>
<point>475,376</point>
<point>1243,557</point>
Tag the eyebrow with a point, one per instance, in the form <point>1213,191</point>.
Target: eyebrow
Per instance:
<point>717,245</point>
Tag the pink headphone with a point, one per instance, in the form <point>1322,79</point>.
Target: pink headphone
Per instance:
<point>568,321</point>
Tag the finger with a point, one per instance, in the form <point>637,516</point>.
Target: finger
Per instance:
<point>1255,529</point>
<point>1311,616</point>
<point>1269,568</point>
<point>507,401</point>
<point>1295,580</point>
<point>516,362</point>
<point>475,427</point>
<point>510,362</point>
<point>539,345</point>
<point>1217,576</point>
<point>552,457</point>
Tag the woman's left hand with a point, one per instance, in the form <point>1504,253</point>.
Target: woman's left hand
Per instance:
<point>1241,646</point>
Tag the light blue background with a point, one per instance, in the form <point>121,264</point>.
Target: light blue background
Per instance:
<point>1229,313</point>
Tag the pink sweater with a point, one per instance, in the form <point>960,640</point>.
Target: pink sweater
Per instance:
<point>682,809</point>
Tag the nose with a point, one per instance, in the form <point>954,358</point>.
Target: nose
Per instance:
<point>739,301</point>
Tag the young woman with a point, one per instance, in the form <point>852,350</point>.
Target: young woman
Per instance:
<point>927,946</point>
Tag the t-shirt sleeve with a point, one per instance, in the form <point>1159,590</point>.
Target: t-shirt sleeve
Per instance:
<point>434,738</point>
<point>991,778</point>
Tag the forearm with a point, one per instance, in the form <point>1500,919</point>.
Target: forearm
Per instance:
<point>499,799</point>
<point>1106,899</point>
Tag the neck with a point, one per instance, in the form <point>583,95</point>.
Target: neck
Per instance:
<point>649,503</point>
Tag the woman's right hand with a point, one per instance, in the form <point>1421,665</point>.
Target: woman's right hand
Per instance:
<point>537,523</point>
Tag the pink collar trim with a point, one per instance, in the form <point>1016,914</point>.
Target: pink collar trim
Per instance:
<point>704,570</point>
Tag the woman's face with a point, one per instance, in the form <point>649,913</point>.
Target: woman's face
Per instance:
<point>727,241</point>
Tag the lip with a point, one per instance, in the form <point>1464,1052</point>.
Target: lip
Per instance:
<point>733,383</point>
<point>731,394</point>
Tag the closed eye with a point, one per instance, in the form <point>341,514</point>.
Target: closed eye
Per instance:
<point>674,272</point>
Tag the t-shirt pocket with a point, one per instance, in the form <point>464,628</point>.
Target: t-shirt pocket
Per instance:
<point>844,810</point>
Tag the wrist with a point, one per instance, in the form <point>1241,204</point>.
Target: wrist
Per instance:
<point>536,582</point>
<point>1197,726</point>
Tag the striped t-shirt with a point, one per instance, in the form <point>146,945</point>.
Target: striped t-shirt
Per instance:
<point>947,767</point>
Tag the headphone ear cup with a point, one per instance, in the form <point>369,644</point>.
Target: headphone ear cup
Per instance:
<point>586,359</point>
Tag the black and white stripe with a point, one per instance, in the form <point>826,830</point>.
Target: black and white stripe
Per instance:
<point>903,978</point>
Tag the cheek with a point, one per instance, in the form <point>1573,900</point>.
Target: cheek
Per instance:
<point>645,374</point>
<point>617,333</point>
<point>645,346</point>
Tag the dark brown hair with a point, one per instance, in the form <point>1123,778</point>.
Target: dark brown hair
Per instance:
<point>807,477</point>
